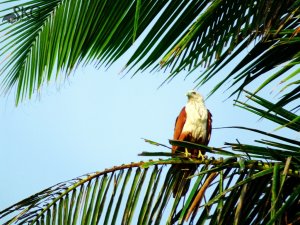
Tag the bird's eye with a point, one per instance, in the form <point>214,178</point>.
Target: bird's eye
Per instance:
<point>193,92</point>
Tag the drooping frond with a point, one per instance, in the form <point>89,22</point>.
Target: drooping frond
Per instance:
<point>53,37</point>
<point>141,193</point>
<point>272,112</point>
<point>277,147</point>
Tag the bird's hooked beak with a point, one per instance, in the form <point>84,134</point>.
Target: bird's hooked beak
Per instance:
<point>189,94</point>
<point>193,95</point>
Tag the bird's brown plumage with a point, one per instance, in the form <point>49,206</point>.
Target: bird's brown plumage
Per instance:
<point>187,133</point>
<point>185,136</point>
<point>180,121</point>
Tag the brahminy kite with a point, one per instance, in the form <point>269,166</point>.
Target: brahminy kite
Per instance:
<point>193,124</point>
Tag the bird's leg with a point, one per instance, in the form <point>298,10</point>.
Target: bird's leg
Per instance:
<point>201,156</point>
<point>186,153</point>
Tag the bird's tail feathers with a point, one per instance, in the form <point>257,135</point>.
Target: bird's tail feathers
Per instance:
<point>182,174</point>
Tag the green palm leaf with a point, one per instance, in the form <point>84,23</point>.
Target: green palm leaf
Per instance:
<point>182,35</point>
<point>259,185</point>
<point>136,192</point>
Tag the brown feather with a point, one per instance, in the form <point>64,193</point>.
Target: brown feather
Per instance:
<point>209,127</point>
<point>179,123</point>
<point>184,171</point>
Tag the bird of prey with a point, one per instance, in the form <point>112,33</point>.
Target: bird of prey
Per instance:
<point>193,124</point>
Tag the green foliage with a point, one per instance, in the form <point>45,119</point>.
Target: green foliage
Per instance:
<point>253,184</point>
<point>141,193</point>
<point>181,35</point>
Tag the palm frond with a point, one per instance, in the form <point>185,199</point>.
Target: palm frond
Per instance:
<point>279,147</point>
<point>141,193</point>
<point>271,111</point>
<point>64,33</point>
<point>182,35</point>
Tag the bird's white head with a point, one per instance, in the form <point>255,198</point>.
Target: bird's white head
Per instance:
<point>195,96</point>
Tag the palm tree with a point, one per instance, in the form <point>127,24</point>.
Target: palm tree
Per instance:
<point>252,184</point>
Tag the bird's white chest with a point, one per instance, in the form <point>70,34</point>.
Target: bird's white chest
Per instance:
<point>196,121</point>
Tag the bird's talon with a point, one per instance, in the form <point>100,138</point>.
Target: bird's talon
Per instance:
<point>186,153</point>
<point>201,156</point>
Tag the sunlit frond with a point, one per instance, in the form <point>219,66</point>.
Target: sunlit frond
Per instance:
<point>181,35</point>
<point>141,193</point>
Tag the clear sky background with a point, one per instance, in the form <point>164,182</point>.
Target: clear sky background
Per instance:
<point>95,119</point>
